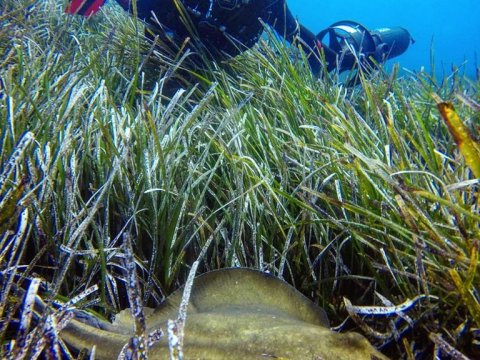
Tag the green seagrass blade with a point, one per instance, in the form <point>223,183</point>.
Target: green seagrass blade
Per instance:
<point>233,313</point>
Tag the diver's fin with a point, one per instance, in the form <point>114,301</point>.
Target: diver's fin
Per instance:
<point>84,7</point>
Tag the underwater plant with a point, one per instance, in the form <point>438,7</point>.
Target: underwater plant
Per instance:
<point>361,198</point>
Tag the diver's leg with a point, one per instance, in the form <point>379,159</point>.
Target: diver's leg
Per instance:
<point>282,20</point>
<point>284,23</point>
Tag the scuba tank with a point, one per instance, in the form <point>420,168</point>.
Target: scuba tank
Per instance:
<point>391,42</point>
<point>353,43</point>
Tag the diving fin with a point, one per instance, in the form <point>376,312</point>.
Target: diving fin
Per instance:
<point>84,7</point>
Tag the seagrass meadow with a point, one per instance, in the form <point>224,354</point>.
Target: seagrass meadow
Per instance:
<point>365,198</point>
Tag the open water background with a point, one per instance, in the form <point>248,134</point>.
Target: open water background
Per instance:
<point>451,28</point>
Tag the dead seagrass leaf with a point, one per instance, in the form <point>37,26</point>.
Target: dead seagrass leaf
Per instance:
<point>233,313</point>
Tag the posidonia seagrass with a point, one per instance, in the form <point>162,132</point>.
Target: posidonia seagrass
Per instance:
<point>358,193</point>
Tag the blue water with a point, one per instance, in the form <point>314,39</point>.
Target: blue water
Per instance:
<point>451,28</point>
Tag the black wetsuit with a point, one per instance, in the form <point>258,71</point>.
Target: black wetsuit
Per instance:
<point>223,27</point>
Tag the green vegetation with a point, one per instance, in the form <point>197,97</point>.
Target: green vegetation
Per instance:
<point>356,196</point>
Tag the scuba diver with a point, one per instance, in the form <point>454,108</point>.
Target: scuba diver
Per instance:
<point>225,28</point>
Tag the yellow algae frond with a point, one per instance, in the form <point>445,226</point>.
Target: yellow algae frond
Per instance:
<point>469,148</point>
